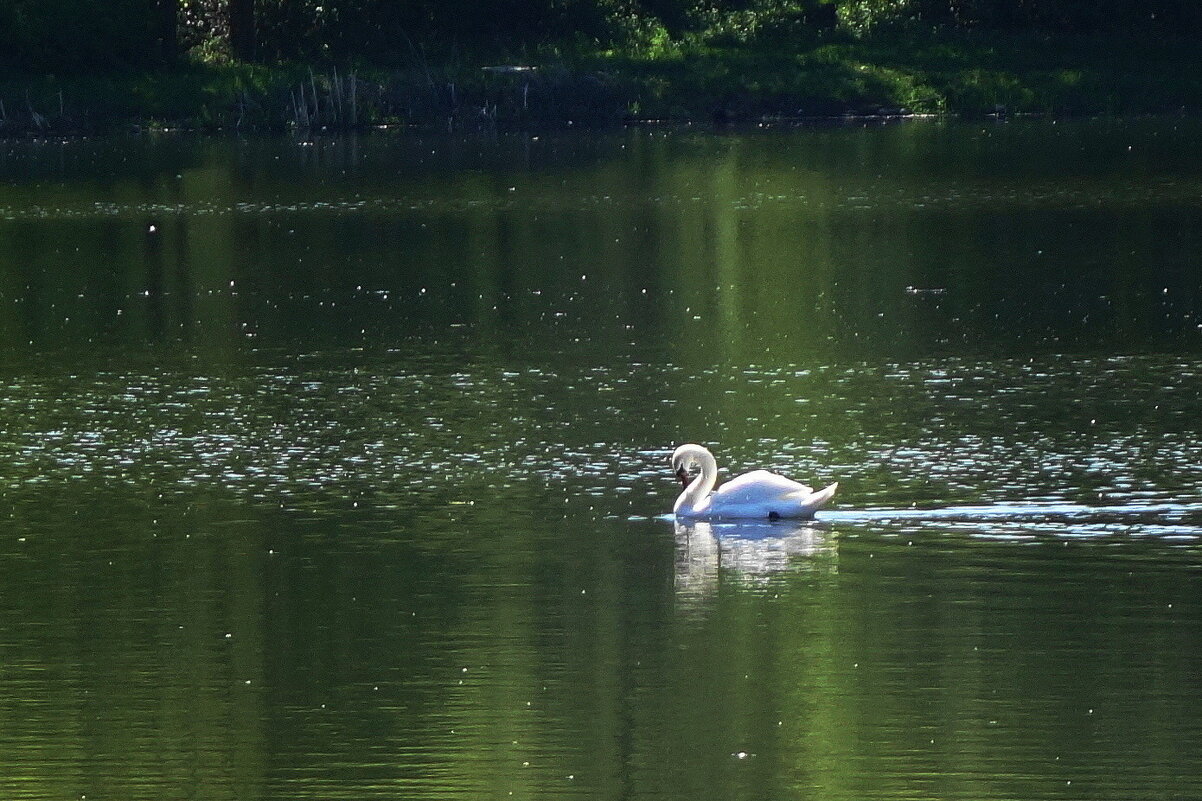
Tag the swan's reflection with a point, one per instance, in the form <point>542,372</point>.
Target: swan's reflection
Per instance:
<point>752,550</point>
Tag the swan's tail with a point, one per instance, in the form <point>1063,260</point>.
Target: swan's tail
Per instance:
<point>821,498</point>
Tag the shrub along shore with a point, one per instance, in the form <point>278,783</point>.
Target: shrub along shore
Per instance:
<point>818,60</point>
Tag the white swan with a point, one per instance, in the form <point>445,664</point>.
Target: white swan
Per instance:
<point>758,494</point>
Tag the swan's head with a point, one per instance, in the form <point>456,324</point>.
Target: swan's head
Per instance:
<point>679,467</point>
<point>684,459</point>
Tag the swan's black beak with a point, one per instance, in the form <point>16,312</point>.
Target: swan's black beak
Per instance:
<point>683,476</point>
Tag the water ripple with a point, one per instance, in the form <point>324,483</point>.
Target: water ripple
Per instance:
<point>419,432</point>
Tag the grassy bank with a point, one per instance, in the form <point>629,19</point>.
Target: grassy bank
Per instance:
<point>956,72</point>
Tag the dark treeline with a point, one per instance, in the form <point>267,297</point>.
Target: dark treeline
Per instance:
<point>71,36</point>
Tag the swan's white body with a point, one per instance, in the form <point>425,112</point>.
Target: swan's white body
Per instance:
<point>758,494</point>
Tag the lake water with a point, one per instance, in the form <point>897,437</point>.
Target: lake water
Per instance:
<point>336,468</point>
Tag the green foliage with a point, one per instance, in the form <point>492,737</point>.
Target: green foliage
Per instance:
<point>204,31</point>
<point>863,17</point>
<point>421,60</point>
<point>647,37</point>
<point>90,35</point>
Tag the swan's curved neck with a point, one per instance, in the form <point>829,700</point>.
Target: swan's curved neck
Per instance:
<point>700,487</point>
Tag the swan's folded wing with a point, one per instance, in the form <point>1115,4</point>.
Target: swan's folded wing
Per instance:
<point>759,486</point>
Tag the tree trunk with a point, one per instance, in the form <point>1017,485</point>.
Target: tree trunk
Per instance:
<point>242,29</point>
<point>167,30</point>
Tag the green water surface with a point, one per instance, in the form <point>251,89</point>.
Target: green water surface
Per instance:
<point>336,468</point>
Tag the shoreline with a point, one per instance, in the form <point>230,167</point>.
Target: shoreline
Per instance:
<point>953,76</point>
